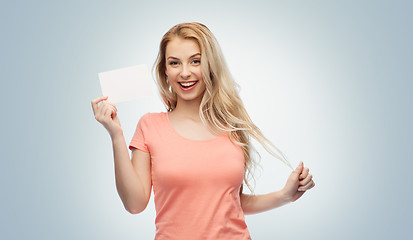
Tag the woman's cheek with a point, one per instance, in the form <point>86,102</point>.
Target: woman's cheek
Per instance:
<point>171,74</point>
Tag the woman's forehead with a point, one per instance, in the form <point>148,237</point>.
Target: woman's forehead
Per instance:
<point>181,48</point>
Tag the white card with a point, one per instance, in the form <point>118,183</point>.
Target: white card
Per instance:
<point>126,84</point>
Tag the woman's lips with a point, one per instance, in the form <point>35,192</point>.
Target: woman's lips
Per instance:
<point>186,86</point>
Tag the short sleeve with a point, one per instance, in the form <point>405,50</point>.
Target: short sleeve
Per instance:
<point>138,140</point>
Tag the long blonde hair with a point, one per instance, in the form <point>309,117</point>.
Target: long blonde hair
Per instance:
<point>221,107</point>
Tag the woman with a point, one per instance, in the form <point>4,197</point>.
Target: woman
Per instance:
<point>198,153</point>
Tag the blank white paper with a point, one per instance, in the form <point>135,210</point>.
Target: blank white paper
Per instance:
<point>126,84</point>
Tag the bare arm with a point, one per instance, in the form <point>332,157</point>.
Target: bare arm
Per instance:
<point>133,178</point>
<point>252,204</point>
<point>298,182</point>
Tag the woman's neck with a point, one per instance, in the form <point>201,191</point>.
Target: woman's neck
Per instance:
<point>188,109</point>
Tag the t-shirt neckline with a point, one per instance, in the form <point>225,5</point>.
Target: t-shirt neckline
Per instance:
<point>172,129</point>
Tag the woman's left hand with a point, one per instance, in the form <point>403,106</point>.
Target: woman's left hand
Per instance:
<point>298,182</point>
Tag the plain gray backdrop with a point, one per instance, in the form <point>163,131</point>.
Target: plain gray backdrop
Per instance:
<point>329,82</point>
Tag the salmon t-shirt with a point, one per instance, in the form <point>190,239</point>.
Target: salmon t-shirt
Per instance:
<point>196,183</point>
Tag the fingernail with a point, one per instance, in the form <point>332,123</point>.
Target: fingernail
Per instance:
<point>301,162</point>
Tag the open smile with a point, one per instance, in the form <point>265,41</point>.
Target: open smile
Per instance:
<point>187,85</point>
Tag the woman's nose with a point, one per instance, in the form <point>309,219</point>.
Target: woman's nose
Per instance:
<point>185,73</point>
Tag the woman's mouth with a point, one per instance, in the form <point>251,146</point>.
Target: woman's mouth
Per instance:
<point>186,86</point>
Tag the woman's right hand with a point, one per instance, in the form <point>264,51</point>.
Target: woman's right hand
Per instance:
<point>106,115</point>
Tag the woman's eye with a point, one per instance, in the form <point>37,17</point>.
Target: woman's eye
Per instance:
<point>173,63</point>
<point>196,61</point>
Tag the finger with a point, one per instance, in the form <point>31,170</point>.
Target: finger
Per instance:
<point>114,109</point>
<point>101,111</point>
<point>114,113</point>
<point>306,180</point>
<point>294,176</point>
<point>312,185</point>
<point>299,168</point>
<point>96,101</point>
<point>304,174</point>
<point>306,187</point>
<point>110,111</point>
<point>107,112</point>
<point>110,103</point>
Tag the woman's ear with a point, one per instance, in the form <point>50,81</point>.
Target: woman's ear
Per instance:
<point>166,73</point>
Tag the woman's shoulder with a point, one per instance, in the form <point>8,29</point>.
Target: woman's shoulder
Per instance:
<point>151,121</point>
<point>152,117</point>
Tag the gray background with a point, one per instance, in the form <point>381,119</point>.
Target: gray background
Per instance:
<point>328,82</point>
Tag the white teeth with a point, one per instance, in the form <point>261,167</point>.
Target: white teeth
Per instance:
<point>187,84</point>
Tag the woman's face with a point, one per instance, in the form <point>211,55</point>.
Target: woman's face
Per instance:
<point>183,69</point>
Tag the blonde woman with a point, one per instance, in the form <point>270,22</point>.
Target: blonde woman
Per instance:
<point>197,154</point>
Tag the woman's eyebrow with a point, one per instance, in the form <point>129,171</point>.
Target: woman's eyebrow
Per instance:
<point>196,54</point>
<point>173,57</point>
